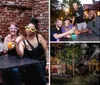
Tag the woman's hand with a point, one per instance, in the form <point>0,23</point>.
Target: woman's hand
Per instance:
<point>15,43</point>
<point>67,36</point>
<point>47,67</point>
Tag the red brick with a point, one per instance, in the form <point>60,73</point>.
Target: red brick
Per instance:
<point>22,17</point>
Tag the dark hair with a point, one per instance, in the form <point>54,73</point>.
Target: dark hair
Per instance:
<point>14,23</point>
<point>17,32</point>
<point>34,21</point>
<point>67,19</point>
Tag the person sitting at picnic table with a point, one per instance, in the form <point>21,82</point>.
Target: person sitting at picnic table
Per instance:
<point>34,46</point>
<point>68,26</point>
<point>56,31</point>
<point>12,75</point>
<point>94,23</point>
<point>14,35</point>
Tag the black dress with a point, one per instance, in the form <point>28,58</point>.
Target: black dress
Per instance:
<point>35,75</point>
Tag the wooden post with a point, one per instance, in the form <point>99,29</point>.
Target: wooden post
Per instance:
<point>73,63</point>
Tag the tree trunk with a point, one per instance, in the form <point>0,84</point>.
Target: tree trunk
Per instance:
<point>73,64</point>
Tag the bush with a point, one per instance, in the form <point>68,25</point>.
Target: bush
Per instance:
<point>68,72</point>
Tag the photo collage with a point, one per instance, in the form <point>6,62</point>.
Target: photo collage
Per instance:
<point>49,42</point>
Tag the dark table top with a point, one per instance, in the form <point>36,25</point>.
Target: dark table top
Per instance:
<point>7,62</point>
<point>87,37</point>
<point>84,37</point>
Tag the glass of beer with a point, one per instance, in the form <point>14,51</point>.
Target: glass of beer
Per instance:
<point>9,45</point>
<point>1,48</point>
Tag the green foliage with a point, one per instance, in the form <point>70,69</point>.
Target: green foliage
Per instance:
<point>69,72</point>
<point>73,50</point>
<point>57,13</point>
<point>54,12</point>
<point>68,52</point>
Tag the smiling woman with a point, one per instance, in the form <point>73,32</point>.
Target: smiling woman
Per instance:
<point>34,46</point>
<point>9,41</point>
<point>13,35</point>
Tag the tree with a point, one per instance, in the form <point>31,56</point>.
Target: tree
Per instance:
<point>70,3</point>
<point>55,12</point>
<point>74,52</point>
<point>69,53</point>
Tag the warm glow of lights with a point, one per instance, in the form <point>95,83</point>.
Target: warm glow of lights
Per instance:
<point>67,10</point>
<point>86,14</point>
<point>98,13</point>
<point>62,18</point>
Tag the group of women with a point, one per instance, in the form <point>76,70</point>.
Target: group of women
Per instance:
<point>32,46</point>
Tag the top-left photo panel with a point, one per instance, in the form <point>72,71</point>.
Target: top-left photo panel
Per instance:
<point>24,42</point>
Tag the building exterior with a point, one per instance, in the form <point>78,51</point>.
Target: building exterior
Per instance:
<point>57,66</point>
<point>95,5</point>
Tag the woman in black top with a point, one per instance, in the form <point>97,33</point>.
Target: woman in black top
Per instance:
<point>34,47</point>
<point>12,76</point>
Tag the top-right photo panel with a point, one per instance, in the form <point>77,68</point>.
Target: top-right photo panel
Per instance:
<point>74,20</point>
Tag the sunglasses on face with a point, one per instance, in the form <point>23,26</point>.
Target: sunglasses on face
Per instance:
<point>13,29</point>
<point>29,28</point>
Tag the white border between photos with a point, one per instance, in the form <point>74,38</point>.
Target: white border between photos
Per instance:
<point>49,38</point>
<point>75,42</point>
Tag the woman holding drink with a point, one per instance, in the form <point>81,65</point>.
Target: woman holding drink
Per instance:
<point>12,75</point>
<point>13,36</point>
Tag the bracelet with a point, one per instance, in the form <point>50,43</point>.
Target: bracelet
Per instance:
<point>47,63</point>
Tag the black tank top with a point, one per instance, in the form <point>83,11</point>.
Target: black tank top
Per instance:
<point>12,52</point>
<point>37,53</point>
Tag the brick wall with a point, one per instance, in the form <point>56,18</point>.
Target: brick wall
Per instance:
<point>40,11</point>
<point>21,11</point>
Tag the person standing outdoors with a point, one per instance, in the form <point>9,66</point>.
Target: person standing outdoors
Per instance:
<point>78,19</point>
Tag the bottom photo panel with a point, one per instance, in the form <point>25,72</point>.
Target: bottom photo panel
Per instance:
<point>75,63</point>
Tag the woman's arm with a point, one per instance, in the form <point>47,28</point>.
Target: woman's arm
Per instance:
<point>73,20</point>
<point>20,48</point>
<point>7,39</point>
<point>44,44</point>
